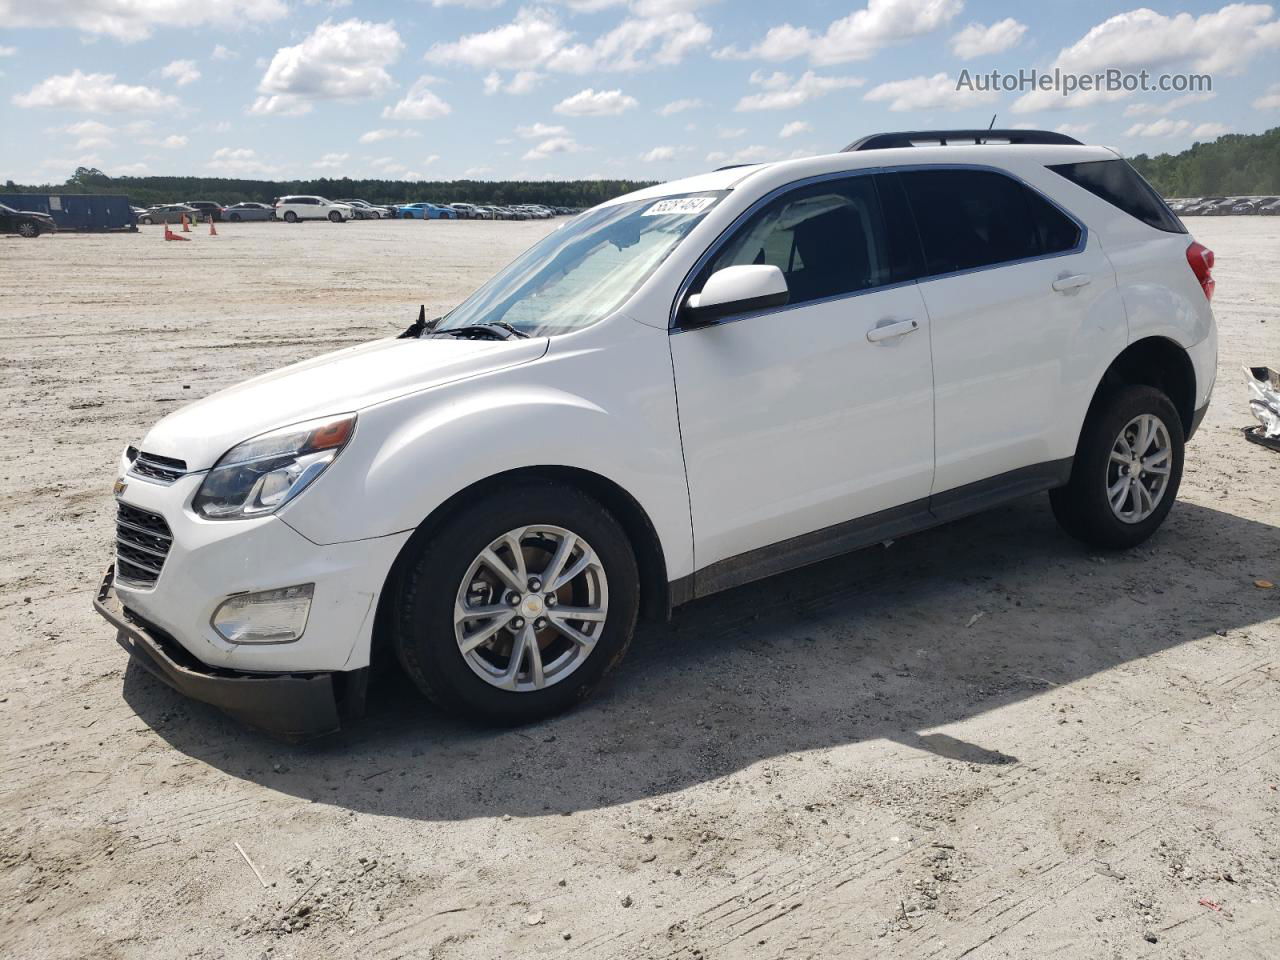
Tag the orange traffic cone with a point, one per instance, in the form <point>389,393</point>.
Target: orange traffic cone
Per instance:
<point>213,231</point>
<point>170,235</point>
<point>186,228</point>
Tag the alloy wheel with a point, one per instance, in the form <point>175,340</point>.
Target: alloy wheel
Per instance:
<point>531,608</point>
<point>1138,468</point>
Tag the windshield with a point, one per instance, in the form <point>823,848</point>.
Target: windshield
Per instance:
<point>583,271</point>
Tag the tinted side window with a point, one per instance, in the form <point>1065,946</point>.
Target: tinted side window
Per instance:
<point>1122,186</point>
<point>976,218</point>
<point>826,238</point>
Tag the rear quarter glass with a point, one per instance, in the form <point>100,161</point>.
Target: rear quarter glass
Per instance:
<point>1116,182</point>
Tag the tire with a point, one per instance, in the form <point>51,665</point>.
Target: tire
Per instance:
<point>376,215</point>
<point>28,229</point>
<point>290,217</point>
<point>406,215</point>
<point>146,220</point>
<point>430,582</point>
<point>234,218</point>
<point>1084,506</point>
<point>335,216</point>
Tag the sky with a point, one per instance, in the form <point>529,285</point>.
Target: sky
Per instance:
<point>566,89</point>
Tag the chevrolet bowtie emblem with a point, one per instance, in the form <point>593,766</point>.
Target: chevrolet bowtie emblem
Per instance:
<point>120,487</point>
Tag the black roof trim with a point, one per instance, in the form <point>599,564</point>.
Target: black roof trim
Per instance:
<point>908,138</point>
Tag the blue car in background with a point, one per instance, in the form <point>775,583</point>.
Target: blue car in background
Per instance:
<point>426,211</point>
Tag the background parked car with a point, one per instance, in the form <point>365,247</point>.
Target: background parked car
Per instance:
<point>427,211</point>
<point>248,211</point>
<point>364,210</point>
<point>295,208</point>
<point>1199,207</point>
<point>465,211</point>
<point>1249,206</point>
<point>206,208</point>
<point>1270,209</point>
<point>25,223</point>
<point>168,213</point>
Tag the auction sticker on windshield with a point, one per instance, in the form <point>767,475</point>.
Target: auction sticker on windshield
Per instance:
<point>679,207</point>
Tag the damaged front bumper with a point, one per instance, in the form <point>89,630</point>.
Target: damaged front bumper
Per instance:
<point>292,706</point>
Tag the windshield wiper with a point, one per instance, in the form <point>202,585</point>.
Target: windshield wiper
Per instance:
<point>498,330</point>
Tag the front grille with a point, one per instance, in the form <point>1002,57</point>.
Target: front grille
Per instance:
<point>142,543</point>
<point>150,466</point>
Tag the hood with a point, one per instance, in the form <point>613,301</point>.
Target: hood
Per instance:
<point>334,383</point>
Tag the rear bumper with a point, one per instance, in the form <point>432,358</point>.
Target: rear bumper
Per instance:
<point>296,707</point>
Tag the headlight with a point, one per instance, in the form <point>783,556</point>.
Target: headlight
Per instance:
<point>261,475</point>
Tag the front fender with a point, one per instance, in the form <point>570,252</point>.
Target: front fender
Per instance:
<point>601,400</point>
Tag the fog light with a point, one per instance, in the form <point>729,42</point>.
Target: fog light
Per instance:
<point>272,616</point>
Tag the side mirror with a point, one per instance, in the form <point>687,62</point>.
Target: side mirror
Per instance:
<point>740,289</point>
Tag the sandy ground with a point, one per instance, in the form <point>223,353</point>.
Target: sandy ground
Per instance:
<point>840,762</point>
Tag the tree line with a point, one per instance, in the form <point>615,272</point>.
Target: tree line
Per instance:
<point>145,191</point>
<point>1236,164</point>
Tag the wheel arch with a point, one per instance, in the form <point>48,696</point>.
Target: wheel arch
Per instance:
<point>1154,362</point>
<point>655,593</point>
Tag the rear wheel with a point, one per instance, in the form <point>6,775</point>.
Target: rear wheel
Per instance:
<point>519,605</point>
<point>1127,470</point>
<point>290,217</point>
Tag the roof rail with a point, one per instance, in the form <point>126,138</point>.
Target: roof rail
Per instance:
<point>911,138</point>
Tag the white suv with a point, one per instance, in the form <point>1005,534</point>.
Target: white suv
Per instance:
<point>681,390</point>
<point>293,209</point>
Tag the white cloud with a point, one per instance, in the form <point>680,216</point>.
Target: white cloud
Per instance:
<point>131,170</point>
<point>1269,100</point>
<point>1163,127</point>
<point>592,103</point>
<point>94,93</point>
<point>756,153</point>
<point>540,131</point>
<point>680,106</point>
<point>524,81</point>
<point>223,53</point>
<point>8,51</point>
<point>132,20</point>
<point>794,128</point>
<point>1210,131</point>
<point>473,4</point>
<point>331,161</point>
<point>1072,129</point>
<point>181,72</point>
<point>1224,41</point>
<point>175,141</point>
<point>476,172</point>
<point>553,146</point>
<point>660,154</point>
<point>858,36</point>
<point>1160,109</point>
<point>783,92</point>
<point>731,133</point>
<point>240,161</point>
<point>336,61</point>
<point>927,93</point>
<point>88,133</point>
<point>420,103</point>
<point>661,33</point>
<point>387,133</point>
<point>975,40</point>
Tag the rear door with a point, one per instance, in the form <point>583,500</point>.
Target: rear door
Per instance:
<point>1017,293</point>
<point>796,420</point>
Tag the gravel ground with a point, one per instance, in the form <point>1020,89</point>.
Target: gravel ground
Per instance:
<point>984,741</point>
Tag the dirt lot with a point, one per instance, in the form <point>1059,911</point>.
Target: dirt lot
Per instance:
<point>982,742</point>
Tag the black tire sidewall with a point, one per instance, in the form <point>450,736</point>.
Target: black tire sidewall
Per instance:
<point>290,217</point>
<point>1096,521</point>
<point>424,634</point>
<point>28,229</point>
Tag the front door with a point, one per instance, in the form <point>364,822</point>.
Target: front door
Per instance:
<point>798,419</point>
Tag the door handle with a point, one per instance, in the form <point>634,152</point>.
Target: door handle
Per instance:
<point>1067,284</point>
<point>887,331</point>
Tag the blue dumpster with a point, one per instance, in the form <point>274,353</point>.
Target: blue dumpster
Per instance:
<point>77,211</point>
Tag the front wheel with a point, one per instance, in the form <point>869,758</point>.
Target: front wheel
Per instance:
<point>406,215</point>
<point>335,216</point>
<point>28,229</point>
<point>1126,472</point>
<point>234,218</point>
<point>519,605</point>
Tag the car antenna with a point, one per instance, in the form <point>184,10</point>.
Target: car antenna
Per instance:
<point>417,327</point>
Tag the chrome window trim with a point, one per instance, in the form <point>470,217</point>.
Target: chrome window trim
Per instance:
<point>716,245</point>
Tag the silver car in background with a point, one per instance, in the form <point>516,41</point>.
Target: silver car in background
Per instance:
<point>248,211</point>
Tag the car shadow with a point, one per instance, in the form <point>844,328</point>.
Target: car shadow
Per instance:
<point>885,643</point>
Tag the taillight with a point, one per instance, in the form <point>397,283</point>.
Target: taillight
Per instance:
<point>1200,258</point>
